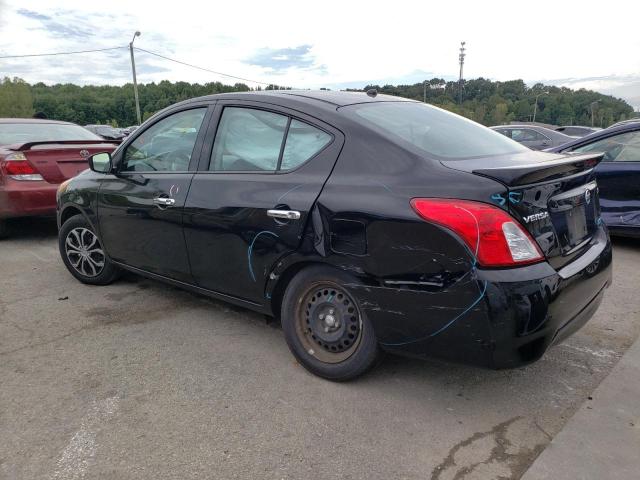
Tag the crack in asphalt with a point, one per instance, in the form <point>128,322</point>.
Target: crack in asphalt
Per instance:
<point>515,462</point>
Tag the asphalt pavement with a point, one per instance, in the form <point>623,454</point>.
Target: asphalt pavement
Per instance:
<point>141,380</point>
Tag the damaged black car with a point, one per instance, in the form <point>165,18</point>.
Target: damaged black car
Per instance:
<point>366,223</point>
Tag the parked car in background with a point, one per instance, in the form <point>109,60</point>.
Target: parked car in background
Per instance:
<point>624,122</point>
<point>363,221</point>
<point>576,131</point>
<point>106,131</point>
<point>533,136</point>
<point>35,157</point>
<point>618,175</point>
<point>129,130</point>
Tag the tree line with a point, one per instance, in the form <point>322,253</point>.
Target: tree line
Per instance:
<point>485,101</point>
<point>496,103</point>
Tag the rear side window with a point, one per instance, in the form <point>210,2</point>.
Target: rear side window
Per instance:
<point>433,130</point>
<point>248,140</point>
<point>618,148</point>
<point>251,140</point>
<point>303,142</point>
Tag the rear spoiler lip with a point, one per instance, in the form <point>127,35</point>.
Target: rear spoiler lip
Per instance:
<point>518,175</point>
<point>28,145</point>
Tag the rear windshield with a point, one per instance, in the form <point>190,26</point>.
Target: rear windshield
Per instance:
<point>433,130</point>
<point>42,132</point>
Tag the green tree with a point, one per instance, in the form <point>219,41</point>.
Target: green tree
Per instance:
<point>15,98</point>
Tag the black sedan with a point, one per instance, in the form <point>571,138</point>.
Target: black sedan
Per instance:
<point>618,175</point>
<point>364,222</point>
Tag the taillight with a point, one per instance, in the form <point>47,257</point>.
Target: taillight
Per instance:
<point>492,235</point>
<point>17,167</point>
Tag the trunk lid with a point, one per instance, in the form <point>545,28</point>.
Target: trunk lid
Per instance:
<point>58,161</point>
<point>555,197</point>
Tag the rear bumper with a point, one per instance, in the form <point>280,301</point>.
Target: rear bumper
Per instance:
<point>22,199</point>
<point>493,318</point>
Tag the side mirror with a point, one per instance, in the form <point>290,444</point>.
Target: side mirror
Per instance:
<point>100,162</point>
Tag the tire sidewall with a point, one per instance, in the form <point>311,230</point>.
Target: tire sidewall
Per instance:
<point>109,271</point>
<point>365,355</point>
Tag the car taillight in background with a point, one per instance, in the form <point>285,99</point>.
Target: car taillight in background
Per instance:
<point>17,167</point>
<point>492,235</point>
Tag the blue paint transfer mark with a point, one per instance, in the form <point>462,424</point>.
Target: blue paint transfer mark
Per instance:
<point>498,198</point>
<point>250,250</point>
<point>330,298</point>
<point>515,197</point>
<point>268,296</point>
<point>447,325</point>
<point>288,192</point>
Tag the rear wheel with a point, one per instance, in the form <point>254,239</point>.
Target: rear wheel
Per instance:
<point>82,253</point>
<point>324,326</point>
<point>4,229</point>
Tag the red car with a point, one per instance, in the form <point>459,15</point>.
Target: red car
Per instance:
<point>35,157</point>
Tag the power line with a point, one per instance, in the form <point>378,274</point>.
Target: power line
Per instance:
<point>136,48</point>
<point>201,68</point>
<point>61,53</point>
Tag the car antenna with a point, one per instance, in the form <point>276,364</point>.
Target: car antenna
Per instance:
<point>372,92</point>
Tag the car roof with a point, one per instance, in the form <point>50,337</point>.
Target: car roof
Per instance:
<point>33,120</point>
<point>311,97</point>
<point>597,135</point>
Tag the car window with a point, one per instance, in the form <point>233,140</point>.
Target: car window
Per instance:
<point>526,135</point>
<point>503,131</point>
<point>165,146</point>
<point>42,132</point>
<point>618,148</point>
<point>303,142</point>
<point>248,140</point>
<point>432,130</point>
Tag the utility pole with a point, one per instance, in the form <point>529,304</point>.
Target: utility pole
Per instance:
<point>135,82</point>
<point>461,58</point>
<point>535,106</point>
<point>424,84</point>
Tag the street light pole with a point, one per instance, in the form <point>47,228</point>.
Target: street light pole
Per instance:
<point>535,106</point>
<point>135,82</point>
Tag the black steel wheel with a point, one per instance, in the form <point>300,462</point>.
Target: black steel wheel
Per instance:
<point>324,326</point>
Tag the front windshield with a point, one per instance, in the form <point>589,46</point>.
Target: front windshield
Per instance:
<point>433,130</point>
<point>42,132</point>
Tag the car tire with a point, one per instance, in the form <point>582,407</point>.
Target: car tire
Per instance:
<point>325,327</point>
<point>4,229</point>
<point>83,254</point>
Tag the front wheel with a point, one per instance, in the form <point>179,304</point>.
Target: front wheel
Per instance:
<point>82,253</point>
<point>324,326</point>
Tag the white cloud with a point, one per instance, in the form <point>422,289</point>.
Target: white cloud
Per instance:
<point>321,43</point>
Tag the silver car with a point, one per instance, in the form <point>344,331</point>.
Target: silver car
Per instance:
<point>533,136</point>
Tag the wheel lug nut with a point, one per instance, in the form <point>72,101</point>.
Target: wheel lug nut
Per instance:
<point>321,316</point>
<point>331,311</point>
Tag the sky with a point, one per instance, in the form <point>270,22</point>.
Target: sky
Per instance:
<point>332,44</point>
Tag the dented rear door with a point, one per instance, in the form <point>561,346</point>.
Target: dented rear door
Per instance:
<point>233,238</point>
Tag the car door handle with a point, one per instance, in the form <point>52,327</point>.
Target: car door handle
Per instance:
<point>284,214</point>
<point>164,201</point>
